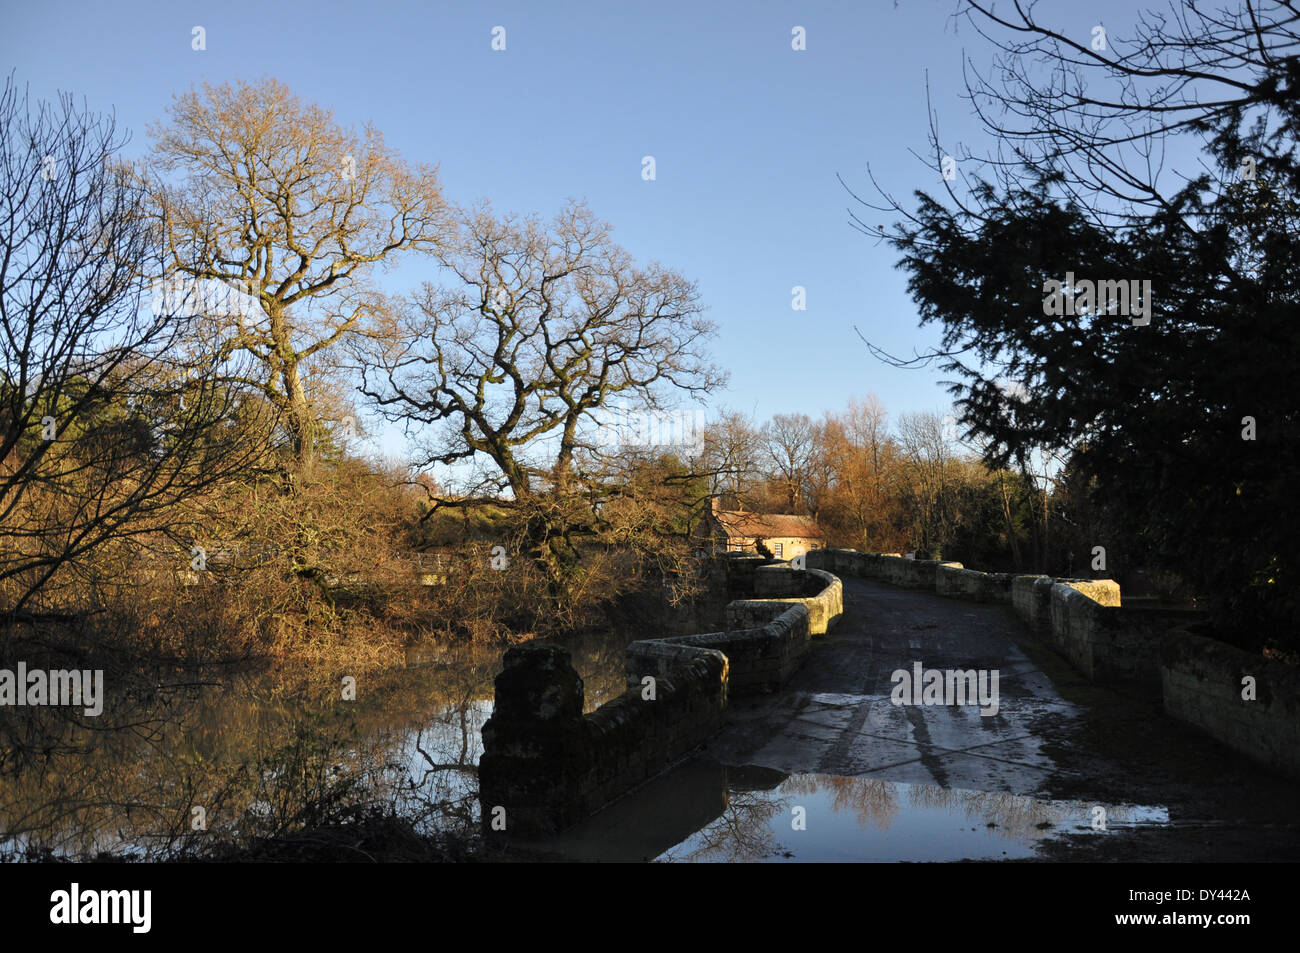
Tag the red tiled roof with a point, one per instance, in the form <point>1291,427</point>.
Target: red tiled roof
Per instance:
<point>750,525</point>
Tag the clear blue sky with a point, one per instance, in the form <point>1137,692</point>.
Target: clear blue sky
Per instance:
<point>748,135</point>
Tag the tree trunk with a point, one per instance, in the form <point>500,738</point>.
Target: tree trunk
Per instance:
<point>1011,529</point>
<point>302,424</point>
<point>301,421</point>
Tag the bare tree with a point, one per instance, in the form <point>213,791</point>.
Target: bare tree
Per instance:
<point>272,196</point>
<point>828,464</point>
<point>110,418</point>
<point>1191,70</point>
<point>730,455</point>
<point>929,483</point>
<point>540,328</point>
<point>509,365</point>
<point>789,441</point>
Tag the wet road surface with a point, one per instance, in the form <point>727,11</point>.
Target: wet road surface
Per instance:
<point>831,769</point>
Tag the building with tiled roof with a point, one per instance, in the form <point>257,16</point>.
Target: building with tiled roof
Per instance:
<point>784,534</point>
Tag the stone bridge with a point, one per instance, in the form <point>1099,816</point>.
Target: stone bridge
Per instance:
<point>1096,704</point>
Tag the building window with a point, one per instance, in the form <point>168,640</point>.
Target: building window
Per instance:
<point>776,549</point>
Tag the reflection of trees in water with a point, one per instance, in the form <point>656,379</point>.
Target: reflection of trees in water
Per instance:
<point>1016,815</point>
<point>261,762</point>
<point>742,833</point>
<point>869,799</point>
<point>747,829</point>
<point>447,778</point>
<point>875,803</point>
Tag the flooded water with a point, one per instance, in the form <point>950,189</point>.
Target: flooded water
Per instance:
<point>188,762</point>
<point>180,758</point>
<point>705,812</point>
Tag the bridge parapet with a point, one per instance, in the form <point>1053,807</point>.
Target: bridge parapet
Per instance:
<point>546,765</point>
<point>1201,680</point>
<point>820,593</point>
<point>1083,618</point>
<point>885,567</point>
<point>1203,683</point>
<point>543,767</point>
<point>952,579</point>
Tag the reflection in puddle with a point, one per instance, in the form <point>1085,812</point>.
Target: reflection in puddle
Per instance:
<point>704,812</point>
<point>812,817</point>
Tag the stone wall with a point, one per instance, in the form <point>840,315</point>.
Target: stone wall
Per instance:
<point>1077,625</point>
<point>740,569</point>
<point>912,573</point>
<point>1202,684</point>
<point>1200,679</point>
<point>760,659</point>
<point>778,580</point>
<point>545,765</point>
<point>954,581</point>
<point>1082,618</point>
<point>1106,641</point>
<point>820,593</point>
<point>1032,598</point>
<point>883,567</point>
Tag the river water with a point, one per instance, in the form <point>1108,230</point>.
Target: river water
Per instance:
<point>178,758</point>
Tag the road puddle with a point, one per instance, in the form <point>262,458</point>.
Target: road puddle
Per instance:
<point>704,812</point>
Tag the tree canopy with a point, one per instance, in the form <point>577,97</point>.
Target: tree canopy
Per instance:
<point>1174,397</point>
